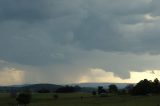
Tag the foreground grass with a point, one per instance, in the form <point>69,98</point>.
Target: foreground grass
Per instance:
<point>88,100</point>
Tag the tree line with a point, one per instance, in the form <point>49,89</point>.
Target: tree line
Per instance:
<point>143,87</point>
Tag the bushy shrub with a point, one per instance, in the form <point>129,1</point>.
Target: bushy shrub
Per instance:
<point>55,96</point>
<point>24,98</point>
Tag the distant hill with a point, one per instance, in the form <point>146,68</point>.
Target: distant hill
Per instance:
<point>33,87</point>
<point>36,87</point>
<point>105,85</point>
<point>85,87</point>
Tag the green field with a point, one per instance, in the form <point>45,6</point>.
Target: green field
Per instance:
<point>74,99</point>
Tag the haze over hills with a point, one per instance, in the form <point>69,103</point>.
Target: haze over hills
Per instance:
<point>33,87</point>
<point>53,87</point>
<point>94,85</point>
<point>105,85</point>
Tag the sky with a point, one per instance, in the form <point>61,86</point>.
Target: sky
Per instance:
<point>77,41</point>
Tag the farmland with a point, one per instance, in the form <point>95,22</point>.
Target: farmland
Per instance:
<point>75,99</point>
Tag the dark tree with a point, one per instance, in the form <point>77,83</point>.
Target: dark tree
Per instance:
<point>82,97</point>
<point>24,98</point>
<point>113,88</point>
<point>66,89</point>
<point>143,87</point>
<point>55,96</point>
<point>94,93</point>
<point>77,88</point>
<point>156,86</point>
<point>101,90</point>
<point>43,91</point>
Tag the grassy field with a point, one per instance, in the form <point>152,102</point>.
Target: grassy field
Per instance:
<point>88,100</point>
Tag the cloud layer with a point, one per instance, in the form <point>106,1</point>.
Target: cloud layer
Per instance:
<point>75,35</point>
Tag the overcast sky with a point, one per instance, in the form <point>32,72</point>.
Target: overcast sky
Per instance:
<point>71,41</point>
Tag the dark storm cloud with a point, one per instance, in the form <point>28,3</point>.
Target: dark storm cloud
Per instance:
<point>102,28</point>
<point>23,10</point>
<point>36,32</point>
<point>60,32</point>
<point>33,10</point>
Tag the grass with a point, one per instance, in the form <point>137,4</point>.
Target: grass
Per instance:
<point>74,99</point>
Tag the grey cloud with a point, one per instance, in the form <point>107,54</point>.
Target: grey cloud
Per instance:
<point>23,10</point>
<point>91,24</point>
<point>36,10</point>
<point>60,32</point>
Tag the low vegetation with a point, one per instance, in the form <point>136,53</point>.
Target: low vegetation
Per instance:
<point>144,93</point>
<point>74,99</point>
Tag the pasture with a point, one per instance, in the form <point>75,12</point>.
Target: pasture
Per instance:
<point>74,99</point>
